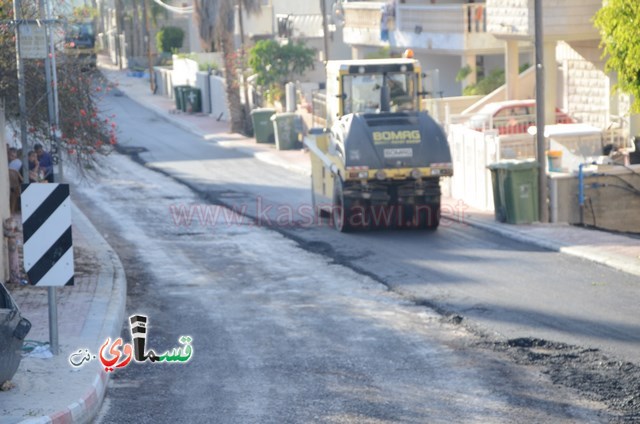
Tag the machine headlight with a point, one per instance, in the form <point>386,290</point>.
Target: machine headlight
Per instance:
<point>415,173</point>
<point>381,175</point>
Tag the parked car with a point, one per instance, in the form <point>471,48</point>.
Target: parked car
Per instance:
<point>511,117</point>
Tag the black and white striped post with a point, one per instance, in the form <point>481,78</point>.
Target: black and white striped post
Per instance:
<point>48,249</point>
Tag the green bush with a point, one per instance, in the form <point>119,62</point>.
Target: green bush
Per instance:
<point>208,66</point>
<point>169,39</point>
<point>487,84</point>
<point>275,65</point>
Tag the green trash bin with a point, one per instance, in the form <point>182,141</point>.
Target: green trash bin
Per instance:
<point>178,95</point>
<point>262,127</point>
<point>287,128</point>
<point>192,100</point>
<point>515,191</point>
<point>497,183</point>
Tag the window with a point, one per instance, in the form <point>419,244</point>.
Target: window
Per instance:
<point>402,92</point>
<point>362,92</point>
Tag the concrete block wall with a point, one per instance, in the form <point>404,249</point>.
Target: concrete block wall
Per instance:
<point>587,88</point>
<point>608,206</point>
<point>510,17</point>
<point>562,19</point>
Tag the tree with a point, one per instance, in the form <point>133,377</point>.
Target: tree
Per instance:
<point>619,25</point>
<point>206,16</point>
<point>216,22</point>
<point>84,130</point>
<point>275,64</point>
<point>169,39</point>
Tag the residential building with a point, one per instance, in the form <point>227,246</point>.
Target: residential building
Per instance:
<point>575,79</point>
<point>445,35</point>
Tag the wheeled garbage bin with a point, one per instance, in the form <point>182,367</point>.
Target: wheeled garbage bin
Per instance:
<point>515,191</point>
<point>288,130</point>
<point>178,95</point>
<point>262,127</point>
<point>192,100</point>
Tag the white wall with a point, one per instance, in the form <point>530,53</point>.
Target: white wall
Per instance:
<point>448,67</point>
<point>219,105</point>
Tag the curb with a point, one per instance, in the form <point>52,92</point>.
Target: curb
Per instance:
<point>609,261</point>
<point>264,156</point>
<point>544,243</point>
<point>112,286</point>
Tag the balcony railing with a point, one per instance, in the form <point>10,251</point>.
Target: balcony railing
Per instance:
<point>448,27</point>
<point>563,20</point>
<point>299,26</point>
<point>362,15</point>
<point>453,18</point>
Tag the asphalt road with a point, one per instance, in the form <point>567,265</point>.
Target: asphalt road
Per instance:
<point>505,287</point>
<point>505,295</point>
<point>283,335</point>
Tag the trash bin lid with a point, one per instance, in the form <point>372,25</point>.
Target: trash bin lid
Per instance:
<point>263,110</point>
<point>284,116</point>
<point>514,165</point>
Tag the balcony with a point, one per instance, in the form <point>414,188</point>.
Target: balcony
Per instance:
<point>299,26</point>
<point>450,28</point>
<point>568,20</point>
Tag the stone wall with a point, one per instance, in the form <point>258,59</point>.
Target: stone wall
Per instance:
<point>587,88</point>
<point>610,200</point>
<point>510,17</point>
<point>562,19</point>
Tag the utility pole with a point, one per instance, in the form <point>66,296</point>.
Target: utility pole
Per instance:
<point>540,124</point>
<point>147,34</point>
<point>120,49</point>
<point>22,101</point>
<point>325,29</point>
<point>243,58</point>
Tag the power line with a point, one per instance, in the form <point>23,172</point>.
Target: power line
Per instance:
<point>187,10</point>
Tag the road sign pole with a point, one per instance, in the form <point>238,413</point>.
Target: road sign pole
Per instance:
<point>53,320</point>
<point>50,88</point>
<point>46,218</point>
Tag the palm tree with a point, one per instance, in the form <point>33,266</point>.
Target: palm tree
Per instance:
<point>216,22</point>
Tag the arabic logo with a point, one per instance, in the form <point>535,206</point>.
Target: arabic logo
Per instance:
<point>119,354</point>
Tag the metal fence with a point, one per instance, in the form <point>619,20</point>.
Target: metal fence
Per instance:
<point>319,109</point>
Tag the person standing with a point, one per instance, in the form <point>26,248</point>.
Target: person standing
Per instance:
<point>45,161</point>
<point>35,174</point>
<point>14,161</point>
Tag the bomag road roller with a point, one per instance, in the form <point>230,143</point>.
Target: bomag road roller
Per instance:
<point>379,161</point>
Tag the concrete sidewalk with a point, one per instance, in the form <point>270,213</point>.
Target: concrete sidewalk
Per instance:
<point>201,125</point>
<point>51,390</point>
<point>615,250</point>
